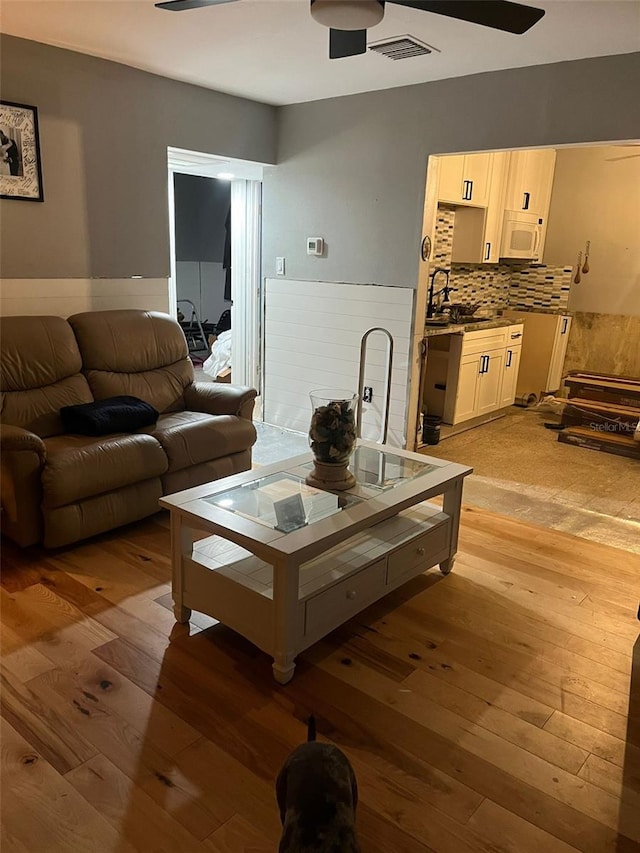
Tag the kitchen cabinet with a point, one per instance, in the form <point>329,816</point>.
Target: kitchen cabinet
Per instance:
<point>510,374</point>
<point>544,347</point>
<point>479,385</point>
<point>529,180</point>
<point>495,209</point>
<point>478,230</point>
<point>476,373</point>
<point>464,179</point>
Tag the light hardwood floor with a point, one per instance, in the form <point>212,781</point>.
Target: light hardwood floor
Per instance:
<point>496,710</point>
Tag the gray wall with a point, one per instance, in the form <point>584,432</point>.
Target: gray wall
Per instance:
<point>104,132</point>
<point>352,169</point>
<point>201,206</point>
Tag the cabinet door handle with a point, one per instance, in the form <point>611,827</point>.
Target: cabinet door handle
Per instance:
<point>565,323</point>
<point>484,364</point>
<point>351,594</point>
<point>465,191</point>
<point>509,357</point>
<point>526,198</point>
<point>470,190</point>
<point>487,251</point>
<point>516,335</point>
<point>420,552</point>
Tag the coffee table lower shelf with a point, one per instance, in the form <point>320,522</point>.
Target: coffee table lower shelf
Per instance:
<point>285,609</point>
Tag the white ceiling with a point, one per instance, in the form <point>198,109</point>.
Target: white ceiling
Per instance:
<point>273,51</point>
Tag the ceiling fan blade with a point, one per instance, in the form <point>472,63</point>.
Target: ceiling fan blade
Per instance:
<point>347,43</point>
<point>497,14</point>
<point>183,5</point>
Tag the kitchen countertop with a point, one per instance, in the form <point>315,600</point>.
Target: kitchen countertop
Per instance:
<point>560,312</point>
<point>471,326</point>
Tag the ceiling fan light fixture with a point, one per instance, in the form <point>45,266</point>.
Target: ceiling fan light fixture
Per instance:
<point>347,14</point>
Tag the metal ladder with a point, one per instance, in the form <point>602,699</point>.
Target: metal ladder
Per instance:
<point>193,330</point>
<point>389,365</point>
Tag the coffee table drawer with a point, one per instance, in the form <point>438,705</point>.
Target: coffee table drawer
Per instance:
<point>331,608</point>
<point>425,551</point>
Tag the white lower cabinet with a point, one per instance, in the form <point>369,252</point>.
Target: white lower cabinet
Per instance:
<point>482,372</point>
<point>510,375</point>
<point>490,381</point>
<point>466,404</point>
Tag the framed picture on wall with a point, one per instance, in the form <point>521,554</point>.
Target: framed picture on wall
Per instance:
<point>20,170</point>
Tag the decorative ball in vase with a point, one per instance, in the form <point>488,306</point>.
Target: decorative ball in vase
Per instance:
<point>332,437</point>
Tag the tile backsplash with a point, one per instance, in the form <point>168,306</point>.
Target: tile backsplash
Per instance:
<point>540,286</point>
<point>499,285</point>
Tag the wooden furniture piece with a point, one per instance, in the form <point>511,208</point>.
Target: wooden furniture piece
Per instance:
<point>602,413</point>
<point>284,564</point>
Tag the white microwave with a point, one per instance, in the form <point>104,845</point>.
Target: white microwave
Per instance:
<point>521,235</point>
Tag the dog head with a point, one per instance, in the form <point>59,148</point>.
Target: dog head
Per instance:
<point>317,796</point>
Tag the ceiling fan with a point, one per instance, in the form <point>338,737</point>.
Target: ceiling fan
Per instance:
<point>348,20</point>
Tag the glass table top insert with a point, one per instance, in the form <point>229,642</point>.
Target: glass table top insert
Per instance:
<point>284,502</point>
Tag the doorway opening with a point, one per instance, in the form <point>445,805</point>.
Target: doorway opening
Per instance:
<point>215,230</point>
<point>531,283</point>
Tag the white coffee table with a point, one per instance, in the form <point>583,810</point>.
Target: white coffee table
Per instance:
<point>284,564</point>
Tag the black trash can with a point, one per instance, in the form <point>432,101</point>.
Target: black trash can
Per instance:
<point>431,429</point>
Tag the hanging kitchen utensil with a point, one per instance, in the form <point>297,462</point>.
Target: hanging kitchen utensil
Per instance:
<point>576,278</point>
<point>585,266</point>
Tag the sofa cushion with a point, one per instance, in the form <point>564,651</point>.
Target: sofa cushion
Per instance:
<point>40,368</point>
<point>79,467</point>
<point>141,353</point>
<point>190,438</point>
<point>104,417</point>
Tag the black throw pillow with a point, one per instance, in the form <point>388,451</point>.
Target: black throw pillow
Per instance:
<point>103,417</point>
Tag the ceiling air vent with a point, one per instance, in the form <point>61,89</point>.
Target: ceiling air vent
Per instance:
<point>402,47</point>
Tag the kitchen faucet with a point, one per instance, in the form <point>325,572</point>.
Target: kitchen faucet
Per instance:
<point>445,290</point>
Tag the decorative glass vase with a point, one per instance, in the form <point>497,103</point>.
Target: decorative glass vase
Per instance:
<point>332,438</point>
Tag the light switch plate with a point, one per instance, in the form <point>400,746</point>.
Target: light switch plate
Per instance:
<point>279,266</point>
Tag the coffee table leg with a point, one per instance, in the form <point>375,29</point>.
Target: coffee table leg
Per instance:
<point>451,506</point>
<point>181,545</point>
<point>285,607</point>
<point>283,668</point>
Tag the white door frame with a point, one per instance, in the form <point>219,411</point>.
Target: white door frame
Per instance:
<point>246,251</point>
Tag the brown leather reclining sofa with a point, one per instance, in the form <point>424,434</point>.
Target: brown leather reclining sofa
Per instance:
<point>58,488</point>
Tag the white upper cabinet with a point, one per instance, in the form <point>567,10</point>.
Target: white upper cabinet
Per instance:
<point>495,209</point>
<point>465,179</point>
<point>529,180</point>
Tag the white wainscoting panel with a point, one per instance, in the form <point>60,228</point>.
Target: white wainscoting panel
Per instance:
<point>60,297</point>
<point>312,340</point>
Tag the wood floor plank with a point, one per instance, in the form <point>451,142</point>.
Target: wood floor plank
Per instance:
<point>48,731</point>
<point>138,819</point>
<point>503,621</point>
<point>509,832</point>
<point>522,766</point>
<point>510,757</point>
<point>20,658</point>
<point>52,625</point>
<point>566,613</point>
<point>342,706</point>
<point>133,753</point>
<point>491,711</point>
<point>42,811</point>
<point>593,740</point>
<point>422,784</point>
<point>429,659</point>
<point>506,725</point>
<point>610,777</point>
<point>237,835</point>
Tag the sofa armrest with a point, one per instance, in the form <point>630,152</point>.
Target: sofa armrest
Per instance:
<point>13,438</point>
<point>216,398</point>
